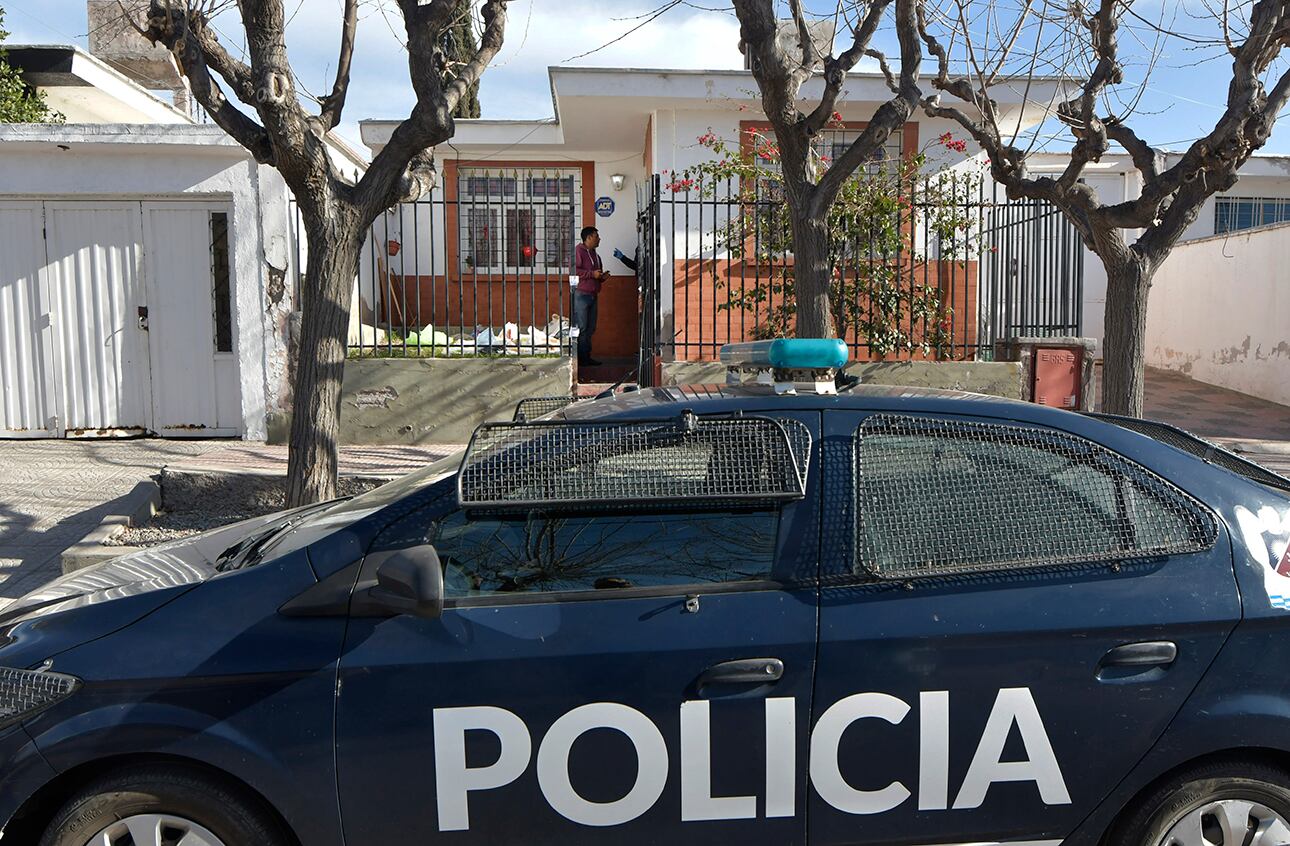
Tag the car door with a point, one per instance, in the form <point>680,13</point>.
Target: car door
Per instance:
<point>582,682</point>
<point>1015,616</point>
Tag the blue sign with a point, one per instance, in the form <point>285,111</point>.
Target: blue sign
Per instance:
<point>605,206</point>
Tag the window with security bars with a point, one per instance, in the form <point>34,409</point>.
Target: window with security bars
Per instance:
<point>1232,214</point>
<point>939,497</point>
<point>828,146</point>
<point>522,221</point>
<point>221,283</point>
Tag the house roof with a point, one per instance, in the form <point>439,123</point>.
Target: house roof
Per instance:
<point>86,89</point>
<point>89,92</point>
<point>1118,161</point>
<point>607,108</point>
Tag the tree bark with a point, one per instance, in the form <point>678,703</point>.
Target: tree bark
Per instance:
<point>811,275</point>
<point>1124,346</point>
<point>334,247</point>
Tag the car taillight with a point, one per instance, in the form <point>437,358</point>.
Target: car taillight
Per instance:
<point>25,692</point>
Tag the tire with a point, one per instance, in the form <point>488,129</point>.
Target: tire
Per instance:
<point>1232,802</point>
<point>174,796</point>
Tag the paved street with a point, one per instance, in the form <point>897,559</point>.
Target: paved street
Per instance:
<point>53,493</point>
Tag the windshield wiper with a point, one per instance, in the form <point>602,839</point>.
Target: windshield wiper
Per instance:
<point>249,551</point>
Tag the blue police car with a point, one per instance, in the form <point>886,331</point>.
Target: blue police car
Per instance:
<point>773,612</point>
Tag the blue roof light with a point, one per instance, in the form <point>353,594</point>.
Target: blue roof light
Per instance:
<point>787,354</point>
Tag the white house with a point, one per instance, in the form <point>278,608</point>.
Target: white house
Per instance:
<point>615,129</point>
<point>492,245</point>
<point>146,264</point>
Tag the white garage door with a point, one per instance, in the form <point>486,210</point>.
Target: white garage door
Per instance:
<point>27,406</point>
<point>125,319</point>
<point>95,273</point>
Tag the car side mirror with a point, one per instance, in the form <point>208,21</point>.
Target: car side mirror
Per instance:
<point>409,581</point>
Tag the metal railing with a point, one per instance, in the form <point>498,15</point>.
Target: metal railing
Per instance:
<point>959,268</point>
<point>482,269</point>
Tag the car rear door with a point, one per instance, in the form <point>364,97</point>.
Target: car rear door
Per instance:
<point>537,711</point>
<point>1015,616</point>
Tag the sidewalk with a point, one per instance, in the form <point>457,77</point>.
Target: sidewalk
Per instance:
<point>54,492</point>
<point>1253,427</point>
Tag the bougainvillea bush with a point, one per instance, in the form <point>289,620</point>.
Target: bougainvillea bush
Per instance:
<point>881,227</point>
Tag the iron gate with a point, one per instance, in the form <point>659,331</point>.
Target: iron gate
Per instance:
<point>1014,268</point>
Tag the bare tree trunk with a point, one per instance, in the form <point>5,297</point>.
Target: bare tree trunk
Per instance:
<point>811,276</point>
<point>1125,341</point>
<point>334,247</point>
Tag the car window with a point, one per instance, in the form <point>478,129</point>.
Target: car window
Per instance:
<point>544,552</point>
<point>941,496</point>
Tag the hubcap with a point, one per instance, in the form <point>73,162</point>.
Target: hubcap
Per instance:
<point>1229,822</point>
<point>154,830</point>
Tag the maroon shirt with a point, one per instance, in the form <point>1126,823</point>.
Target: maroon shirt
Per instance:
<point>585,263</point>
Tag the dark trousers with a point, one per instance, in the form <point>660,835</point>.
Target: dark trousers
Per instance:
<point>584,317</point>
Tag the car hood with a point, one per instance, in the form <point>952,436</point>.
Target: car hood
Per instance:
<point>104,598</point>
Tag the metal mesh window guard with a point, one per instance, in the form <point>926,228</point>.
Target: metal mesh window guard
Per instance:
<point>531,408</point>
<point>1199,447</point>
<point>938,497</point>
<point>511,465</point>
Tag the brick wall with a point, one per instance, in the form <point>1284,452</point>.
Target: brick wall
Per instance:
<point>702,285</point>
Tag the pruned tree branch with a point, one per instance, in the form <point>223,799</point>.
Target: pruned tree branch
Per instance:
<point>333,105</point>
<point>404,168</point>
<point>184,34</point>
<point>836,69</point>
<point>891,115</point>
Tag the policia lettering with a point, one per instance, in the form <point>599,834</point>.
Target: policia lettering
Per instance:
<point>1012,706</point>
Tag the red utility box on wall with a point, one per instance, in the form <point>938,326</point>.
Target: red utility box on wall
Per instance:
<point>1057,372</point>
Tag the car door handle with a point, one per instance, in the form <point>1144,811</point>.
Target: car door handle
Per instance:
<point>1151,653</point>
<point>743,671</point>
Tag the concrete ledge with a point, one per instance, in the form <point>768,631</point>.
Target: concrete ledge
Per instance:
<point>134,509</point>
<point>693,373</point>
<point>996,378</point>
<point>440,400</point>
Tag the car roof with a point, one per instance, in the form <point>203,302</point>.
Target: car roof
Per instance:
<point>653,403</point>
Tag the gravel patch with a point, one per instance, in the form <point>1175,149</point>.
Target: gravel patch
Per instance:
<point>196,501</point>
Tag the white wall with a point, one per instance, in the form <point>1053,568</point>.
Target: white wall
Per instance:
<point>1219,312</point>
<point>148,162</point>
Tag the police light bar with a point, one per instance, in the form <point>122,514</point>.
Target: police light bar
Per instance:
<point>790,364</point>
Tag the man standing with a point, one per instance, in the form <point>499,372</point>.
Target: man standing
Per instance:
<point>591,275</point>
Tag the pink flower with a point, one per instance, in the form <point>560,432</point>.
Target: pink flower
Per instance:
<point>949,142</point>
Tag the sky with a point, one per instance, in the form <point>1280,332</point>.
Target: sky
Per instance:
<point>1183,97</point>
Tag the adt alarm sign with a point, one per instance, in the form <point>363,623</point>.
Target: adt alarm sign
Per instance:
<point>605,206</point>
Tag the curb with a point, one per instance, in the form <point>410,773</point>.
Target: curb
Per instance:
<point>1254,446</point>
<point>137,507</point>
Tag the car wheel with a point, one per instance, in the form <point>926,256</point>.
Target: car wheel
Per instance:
<point>160,806</point>
<point>1230,803</point>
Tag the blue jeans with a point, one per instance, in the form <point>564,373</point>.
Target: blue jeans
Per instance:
<point>584,317</point>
